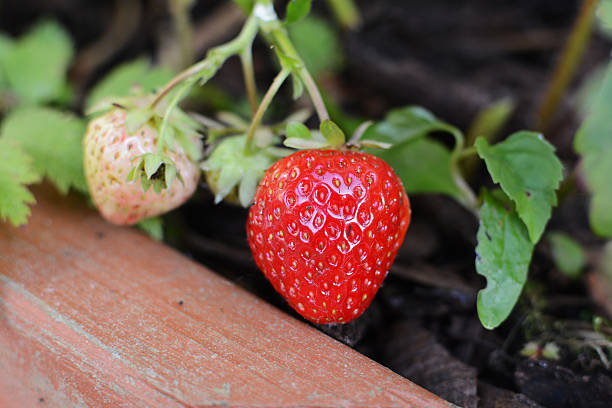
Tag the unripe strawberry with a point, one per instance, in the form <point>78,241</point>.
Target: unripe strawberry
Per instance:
<point>110,153</point>
<point>325,227</point>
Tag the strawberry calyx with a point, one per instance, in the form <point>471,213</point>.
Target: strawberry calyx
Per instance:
<point>155,171</point>
<point>329,136</point>
<point>233,174</point>
<point>139,113</point>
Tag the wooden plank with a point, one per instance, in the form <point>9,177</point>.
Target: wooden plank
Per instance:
<point>90,316</point>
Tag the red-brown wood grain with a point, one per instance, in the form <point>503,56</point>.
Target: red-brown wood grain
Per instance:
<point>90,316</point>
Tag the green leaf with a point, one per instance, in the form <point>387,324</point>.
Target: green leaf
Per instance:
<point>423,165</point>
<point>375,144</point>
<point>588,93</point>
<point>152,163</point>
<point>247,188</point>
<point>54,140</point>
<point>604,18</point>
<point>154,170</point>
<point>597,167</point>
<point>16,171</point>
<point>191,149</point>
<point>567,253</point>
<point>332,133</point>
<point>529,172</point>
<point>153,227</point>
<point>184,130</point>
<point>301,144</point>
<point>36,66</point>
<point>6,47</point>
<point>594,134</point>
<point>228,167</point>
<point>404,124</point>
<point>230,176</point>
<point>594,142</point>
<point>136,118</point>
<point>245,5</point>
<point>318,44</point>
<point>298,131</point>
<point>119,81</point>
<point>502,256</point>
<point>297,10</point>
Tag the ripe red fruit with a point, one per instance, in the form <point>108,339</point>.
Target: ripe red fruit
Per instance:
<point>325,227</point>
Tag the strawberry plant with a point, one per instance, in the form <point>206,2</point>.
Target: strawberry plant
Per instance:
<point>325,222</point>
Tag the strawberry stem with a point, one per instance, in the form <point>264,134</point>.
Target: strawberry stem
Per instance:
<point>277,36</point>
<point>468,198</point>
<point>263,106</point>
<point>264,17</point>
<point>215,58</point>
<point>246,58</point>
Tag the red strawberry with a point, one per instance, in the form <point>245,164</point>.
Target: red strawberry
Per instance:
<point>110,153</point>
<point>325,227</point>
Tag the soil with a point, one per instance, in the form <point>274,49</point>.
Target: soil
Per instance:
<point>454,58</point>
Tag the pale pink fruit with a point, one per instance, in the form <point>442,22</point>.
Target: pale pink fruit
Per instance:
<point>110,153</point>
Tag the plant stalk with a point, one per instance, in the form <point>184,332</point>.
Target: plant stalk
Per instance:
<point>263,106</point>
<point>566,67</point>
<point>468,198</point>
<point>215,58</point>
<point>246,58</point>
<point>278,37</point>
<point>467,152</point>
